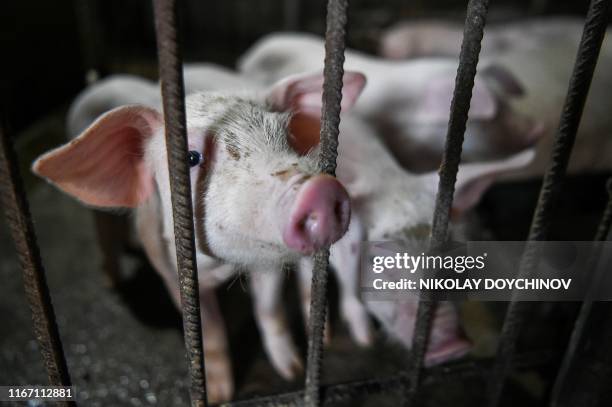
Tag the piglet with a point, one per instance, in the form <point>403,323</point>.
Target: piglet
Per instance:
<point>408,102</point>
<point>540,55</point>
<point>428,38</point>
<point>258,198</point>
<point>391,204</point>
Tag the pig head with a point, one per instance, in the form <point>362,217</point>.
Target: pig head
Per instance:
<point>255,186</point>
<point>414,123</point>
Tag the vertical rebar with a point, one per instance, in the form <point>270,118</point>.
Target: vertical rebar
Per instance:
<point>19,220</point>
<point>330,122</point>
<point>586,60</point>
<point>171,76</point>
<point>585,310</point>
<point>468,60</point>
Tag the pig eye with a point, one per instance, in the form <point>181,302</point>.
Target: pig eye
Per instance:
<point>194,158</point>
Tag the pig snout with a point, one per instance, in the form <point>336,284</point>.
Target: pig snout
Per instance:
<point>319,216</point>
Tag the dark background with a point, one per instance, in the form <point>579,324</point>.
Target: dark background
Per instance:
<point>48,46</point>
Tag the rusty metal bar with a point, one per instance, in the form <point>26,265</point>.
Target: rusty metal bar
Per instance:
<point>358,389</point>
<point>330,122</point>
<point>173,93</point>
<point>468,60</point>
<point>580,82</point>
<point>603,231</point>
<point>19,221</point>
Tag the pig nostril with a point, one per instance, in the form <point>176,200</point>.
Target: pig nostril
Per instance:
<point>306,224</point>
<point>339,210</point>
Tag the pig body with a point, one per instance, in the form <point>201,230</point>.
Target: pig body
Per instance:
<point>541,54</point>
<point>391,204</point>
<point>242,144</point>
<point>408,102</point>
<point>427,38</point>
<point>123,89</point>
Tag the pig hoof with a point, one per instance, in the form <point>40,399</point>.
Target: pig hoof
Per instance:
<point>286,361</point>
<point>445,352</point>
<point>219,383</point>
<point>358,321</point>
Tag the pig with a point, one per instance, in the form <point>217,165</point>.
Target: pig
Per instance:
<point>123,89</point>
<point>392,204</point>
<point>540,53</point>
<point>427,38</point>
<point>258,198</point>
<point>408,102</point>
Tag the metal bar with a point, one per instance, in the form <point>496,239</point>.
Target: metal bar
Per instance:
<point>468,60</point>
<point>603,231</point>
<point>171,75</point>
<point>330,121</point>
<point>19,220</point>
<point>586,60</point>
<point>357,389</point>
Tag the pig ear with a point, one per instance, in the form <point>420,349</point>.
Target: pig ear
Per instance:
<point>507,82</point>
<point>302,94</point>
<point>438,94</point>
<point>104,166</point>
<point>474,179</point>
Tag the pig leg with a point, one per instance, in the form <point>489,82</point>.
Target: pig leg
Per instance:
<point>266,289</point>
<point>111,230</point>
<point>219,379</point>
<point>345,259</point>
<point>305,282</point>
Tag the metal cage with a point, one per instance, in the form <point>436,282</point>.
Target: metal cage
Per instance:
<point>409,382</point>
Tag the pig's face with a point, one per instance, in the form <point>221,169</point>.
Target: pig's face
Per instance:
<point>256,192</point>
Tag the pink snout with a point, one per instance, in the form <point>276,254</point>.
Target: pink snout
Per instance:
<point>320,215</point>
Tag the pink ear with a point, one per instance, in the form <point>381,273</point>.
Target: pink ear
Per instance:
<point>304,92</point>
<point>505,79</point>
<point>436,101</point>
<point>474,179</point>
<point>105,166</point>
<point>303,95</point>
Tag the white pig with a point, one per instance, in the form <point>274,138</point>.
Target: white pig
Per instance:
<point>409,101</point>
<point>123,89</point>
<point>265,288</point>
<point>257,196</point>
<point>391,204</point>
<point>540,53</point>
<point>427,38</point>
